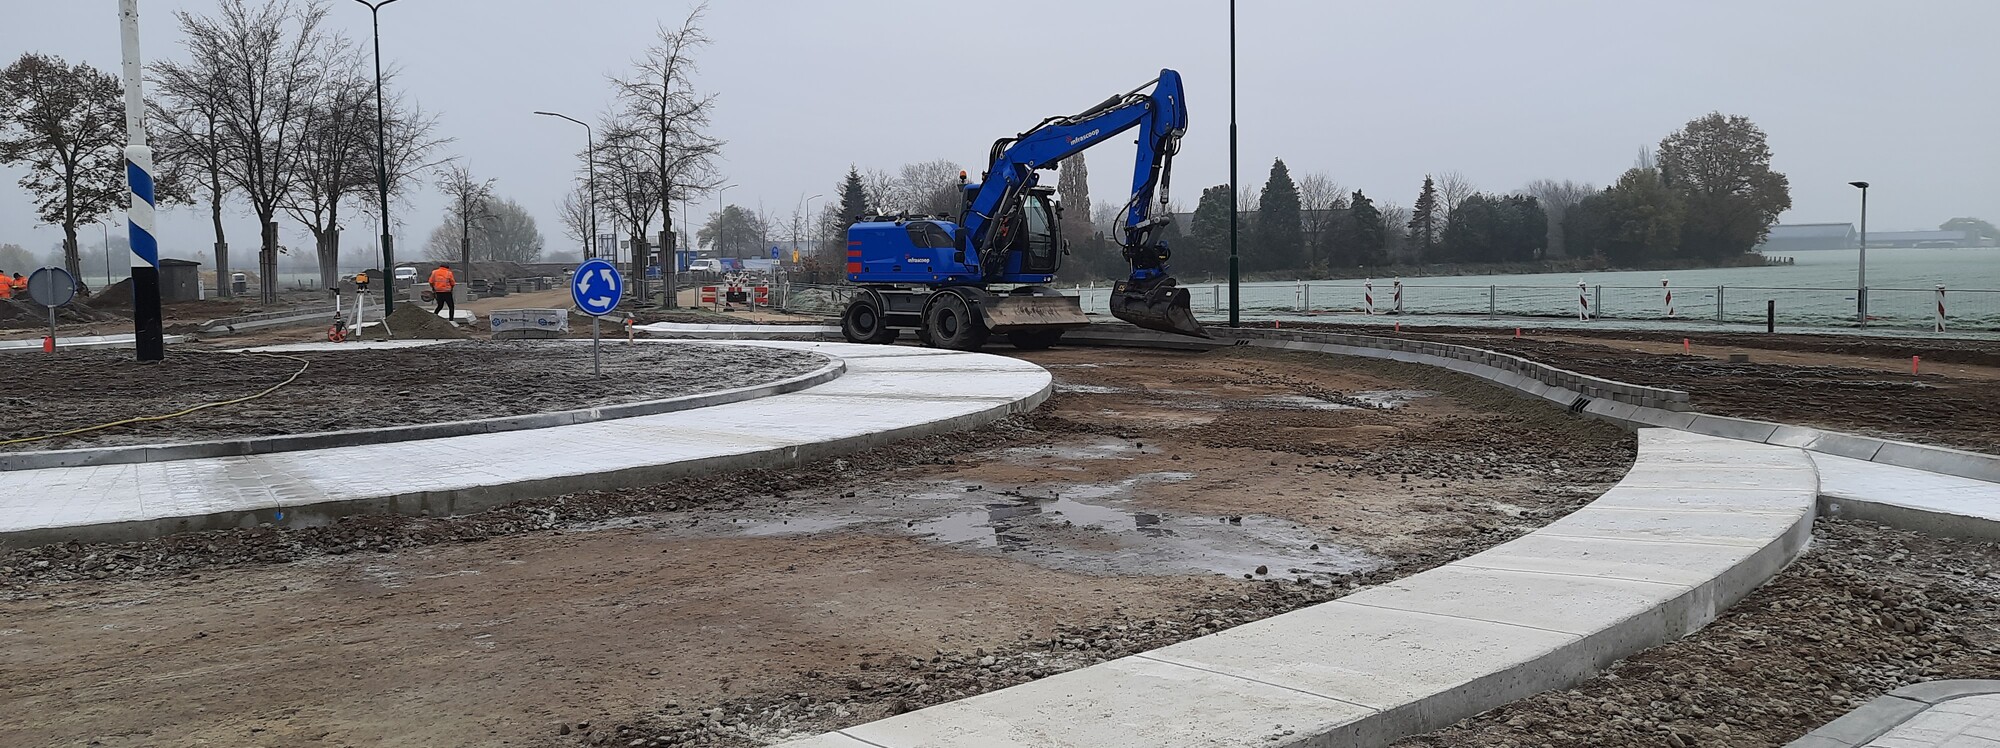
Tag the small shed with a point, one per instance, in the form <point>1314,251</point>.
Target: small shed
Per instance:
<point>180,280</point>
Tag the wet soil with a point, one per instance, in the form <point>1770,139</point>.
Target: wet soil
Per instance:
<point>47,394</point>
<point>1847,384</point>
<point>1157,497</point>
<point>1866,610</point>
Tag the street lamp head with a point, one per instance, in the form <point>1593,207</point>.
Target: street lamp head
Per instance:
<point>1862,185</point>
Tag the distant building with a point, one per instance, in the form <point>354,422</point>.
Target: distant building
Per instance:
<point>1925,239</point>
<point>1806,237</point>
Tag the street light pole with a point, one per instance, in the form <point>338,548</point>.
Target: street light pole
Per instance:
<point>810,224</point>
<point>382,160</point>
<point>1234,298</point>
<point>1861,280</point>
<point>590,157</point>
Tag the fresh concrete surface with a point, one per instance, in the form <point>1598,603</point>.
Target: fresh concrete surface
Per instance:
<point>1937,714</point>
<point>1648,562</point>
<point>1927,502</point>
<point>888,393</point>
<point>737,332</point>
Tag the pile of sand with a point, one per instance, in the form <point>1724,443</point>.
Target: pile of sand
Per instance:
<point>410,322</point>
<point>114,296</point>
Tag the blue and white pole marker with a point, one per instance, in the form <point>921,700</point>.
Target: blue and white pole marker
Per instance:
<point>139,215</point>
<point>596,287</point>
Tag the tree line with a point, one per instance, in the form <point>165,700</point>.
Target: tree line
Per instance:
<point>266,108</point>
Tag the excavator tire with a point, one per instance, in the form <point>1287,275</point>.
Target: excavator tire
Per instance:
<point>1034,340</point>
<point>950,323</point>
<point>863,322</point>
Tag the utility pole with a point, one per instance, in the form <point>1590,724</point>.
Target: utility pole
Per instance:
<point>382,162</point>
<point>139,214</point>
<point>590,157</point>
<point>1861,280</point>
<point>1235,319</point>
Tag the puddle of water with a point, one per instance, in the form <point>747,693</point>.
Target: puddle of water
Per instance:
<point>1088,389</point>
<point>1302,402</point>
<point>1099,449</point>
<point>1391,398</point>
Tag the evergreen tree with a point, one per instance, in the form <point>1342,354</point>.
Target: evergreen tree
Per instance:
<point>1206,250</point>
<point>1279,238</point>
<point>853,199</point>
<point>1424,221</point>
<point>1367,238</point>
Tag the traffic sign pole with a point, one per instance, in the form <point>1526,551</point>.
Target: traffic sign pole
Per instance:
<point>596,288</point>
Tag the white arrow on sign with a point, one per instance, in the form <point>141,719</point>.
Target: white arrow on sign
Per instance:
<point>583,283</point>
<point>605,273</point>
<point>601,301</point>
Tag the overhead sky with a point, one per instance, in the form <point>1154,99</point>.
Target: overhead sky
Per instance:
<point>1376,94</point>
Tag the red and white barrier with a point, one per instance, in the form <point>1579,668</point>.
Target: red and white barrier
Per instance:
<point>1938,326</point>
<point>1582,303</point>
<point>708,295</point>
<point>1368,294</point>
<point>1670,297</point>
<point>761,297</point>
<point>1399,296</point>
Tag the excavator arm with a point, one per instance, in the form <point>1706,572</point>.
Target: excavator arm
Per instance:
<point>1149,297</point>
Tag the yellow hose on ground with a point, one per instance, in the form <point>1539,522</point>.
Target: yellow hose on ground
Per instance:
<point>303,365</point>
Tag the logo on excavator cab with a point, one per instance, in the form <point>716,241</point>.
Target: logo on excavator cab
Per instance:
<point>1083,137</point>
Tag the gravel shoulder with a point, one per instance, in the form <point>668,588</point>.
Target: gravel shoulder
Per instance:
<point>1866,610</point>
<point>354,389</point>
<point>1157,497</point>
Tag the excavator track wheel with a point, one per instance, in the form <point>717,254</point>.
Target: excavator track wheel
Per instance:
<point>951,323</point>
<point>863,322</point>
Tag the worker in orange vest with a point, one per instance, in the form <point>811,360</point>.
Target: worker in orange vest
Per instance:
<point>20,283</point>
<point>6,286</point>
<point>442,282</point>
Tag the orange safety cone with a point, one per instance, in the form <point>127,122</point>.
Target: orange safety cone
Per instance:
<point>1686,347</point>
<point>1913,363</point>
<point>1517,333</point>
<point>48,344</point>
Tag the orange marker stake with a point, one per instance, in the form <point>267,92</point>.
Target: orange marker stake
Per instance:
<point>1517,333</point>
<point>1686,347</point>
<point>1914,360</point>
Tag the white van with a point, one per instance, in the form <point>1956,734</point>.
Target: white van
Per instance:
<point>710,265</point>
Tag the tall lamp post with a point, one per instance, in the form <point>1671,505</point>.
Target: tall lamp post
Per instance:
<point>811,225</point>
<point>590,156</point>
<point>1861,280</point>
<point>1234,319</point>
<point>382,159</point>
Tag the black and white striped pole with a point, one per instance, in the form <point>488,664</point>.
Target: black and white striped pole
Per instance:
<point>139,215</point>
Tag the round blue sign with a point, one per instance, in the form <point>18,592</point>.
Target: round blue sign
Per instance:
<point>596,287</point>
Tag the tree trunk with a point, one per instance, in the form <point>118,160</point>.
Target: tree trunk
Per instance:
<point>465,251</point>
<point>326,244</point>
<point>223,287</point>
<point>642,254</point>
<point>670,267</point>
<point>267,264</point>
<point>72,261</point>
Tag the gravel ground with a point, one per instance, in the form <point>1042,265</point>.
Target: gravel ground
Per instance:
<point>1868,609</point>
<point>733,609</point>
<point>355,388</point>
<point>1944,405</point>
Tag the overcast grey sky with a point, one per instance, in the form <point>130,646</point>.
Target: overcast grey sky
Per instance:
<point>1374,93</point>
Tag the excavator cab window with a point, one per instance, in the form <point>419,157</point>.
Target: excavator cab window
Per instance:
<point>927,235</point>
<point>1042,248</point>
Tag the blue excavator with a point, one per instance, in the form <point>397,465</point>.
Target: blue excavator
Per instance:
<point>957,280</point>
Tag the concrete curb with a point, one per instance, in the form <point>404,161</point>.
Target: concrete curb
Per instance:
<point>740,332</point>
<point>887,394</point>
<point>326,439</point>
<point>229,325</point>
<point>88,341</point>
<point>1656,557</point>
<point>1877,717</point>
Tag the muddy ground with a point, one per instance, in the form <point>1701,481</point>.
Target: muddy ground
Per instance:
<point>47,394</point>
<point>1844,383</point>
<point>1157,497</point>
<point>1866,610</point>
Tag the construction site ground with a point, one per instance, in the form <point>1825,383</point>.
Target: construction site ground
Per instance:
<point>352,389</point>
<point>1157,497</point>
<point>1846,383</point>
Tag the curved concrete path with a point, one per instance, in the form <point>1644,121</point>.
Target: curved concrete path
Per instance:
<point>1934,714</point>
<point>888,393</point>
<point>1698,523</point>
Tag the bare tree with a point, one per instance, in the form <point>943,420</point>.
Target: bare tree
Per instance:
<point>269,57</point>
<point>629,186</point>
<point>576,219</point>
<point>469,206</point>
<point>664,122</point>
<point>1453,188</point>
<point>66,123</point>
<point>189,124</point>
<point>1396,239</point>
<point>1556,199</point>
<point>335,154</point>
<point>1317,195</point>
<point>928,188</point>
<point>882,190</point>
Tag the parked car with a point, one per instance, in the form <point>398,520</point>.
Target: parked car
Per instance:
<point>709,265</point>
<point>406,274</point>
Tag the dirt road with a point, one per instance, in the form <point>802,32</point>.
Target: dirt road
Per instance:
<point>354,388</point>
<point>1158,496</point>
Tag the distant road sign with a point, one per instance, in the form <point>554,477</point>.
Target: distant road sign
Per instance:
<point>596,287</point>
<point>51,287</point>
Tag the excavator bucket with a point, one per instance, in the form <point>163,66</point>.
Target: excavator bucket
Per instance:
<point>1021,313</point>
<point>1163,307</point>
